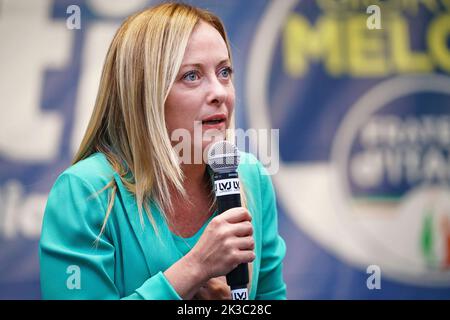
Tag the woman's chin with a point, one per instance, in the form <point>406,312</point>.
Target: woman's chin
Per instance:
<point>207,142</point>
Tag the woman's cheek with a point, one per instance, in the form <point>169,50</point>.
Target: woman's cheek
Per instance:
<point>230,103</point>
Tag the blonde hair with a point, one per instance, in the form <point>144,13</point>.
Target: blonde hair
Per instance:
<point>128,122</point>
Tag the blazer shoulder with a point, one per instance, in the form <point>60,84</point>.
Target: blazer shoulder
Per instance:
<point>250,167</point>
<point>95,170</point>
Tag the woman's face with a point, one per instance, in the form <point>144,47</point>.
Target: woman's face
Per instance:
<point>201,99</point>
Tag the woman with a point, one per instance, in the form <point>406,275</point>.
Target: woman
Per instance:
<point>127,219</point>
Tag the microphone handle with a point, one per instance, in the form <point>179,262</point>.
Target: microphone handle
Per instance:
<point>238,277</point>
<point>228,196</point>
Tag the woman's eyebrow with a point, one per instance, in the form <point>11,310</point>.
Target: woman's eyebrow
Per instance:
<point>199,65</point>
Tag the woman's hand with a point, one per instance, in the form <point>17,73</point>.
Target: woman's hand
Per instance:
<point>214,289</point>
<point>226,242</point>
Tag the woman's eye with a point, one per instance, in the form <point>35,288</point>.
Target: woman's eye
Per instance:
<point>226,72</point>
<point>191,76</point>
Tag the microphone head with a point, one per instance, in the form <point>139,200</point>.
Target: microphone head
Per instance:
<point>223,156</point>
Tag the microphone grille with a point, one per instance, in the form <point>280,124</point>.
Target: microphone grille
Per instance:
<point>223,156</point>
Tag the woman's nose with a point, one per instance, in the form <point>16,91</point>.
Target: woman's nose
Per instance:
<point>217,92</point>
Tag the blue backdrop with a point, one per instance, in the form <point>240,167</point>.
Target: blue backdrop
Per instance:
<point>362,163</point>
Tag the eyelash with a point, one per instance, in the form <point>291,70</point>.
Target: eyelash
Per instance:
<point>187,74</point>
<point>228,69</point>
<point>194,72</point>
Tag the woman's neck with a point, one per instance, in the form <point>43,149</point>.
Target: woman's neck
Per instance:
<point>190,214</point>
<point>194,175</point>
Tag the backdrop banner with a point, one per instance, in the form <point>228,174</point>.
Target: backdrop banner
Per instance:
<point>357,92</point>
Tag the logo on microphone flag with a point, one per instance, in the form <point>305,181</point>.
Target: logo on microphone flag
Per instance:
<point>227,187</point>
<point>239,294</point>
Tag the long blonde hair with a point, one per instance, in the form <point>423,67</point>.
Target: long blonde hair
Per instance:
<point>128,123</point>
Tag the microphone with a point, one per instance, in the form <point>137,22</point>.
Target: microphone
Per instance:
<point>223,158</point>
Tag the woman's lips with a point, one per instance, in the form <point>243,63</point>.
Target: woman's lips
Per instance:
<point>218,124</point>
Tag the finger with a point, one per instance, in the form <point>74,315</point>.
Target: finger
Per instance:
<point>214,289</point>
<point>221,278</point>
<point>243,229</point>
<point>236,215</point>
<point>246,256</point>
<point>203,293</point>
<point>215,281</point>
<point>218,287</point>
<point>245,243</point>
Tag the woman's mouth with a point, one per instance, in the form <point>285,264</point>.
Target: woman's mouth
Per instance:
<point>215,121</point>
<point>208,122</point>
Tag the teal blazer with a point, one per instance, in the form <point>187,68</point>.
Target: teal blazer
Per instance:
<point>129,259</point>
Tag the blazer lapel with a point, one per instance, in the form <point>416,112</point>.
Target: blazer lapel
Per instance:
<point>158,249</point>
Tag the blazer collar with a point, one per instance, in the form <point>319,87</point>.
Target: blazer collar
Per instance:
<point>158,247</point>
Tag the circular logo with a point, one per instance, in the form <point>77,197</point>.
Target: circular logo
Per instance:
<point>376,192</point>
<point>392,183</point>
